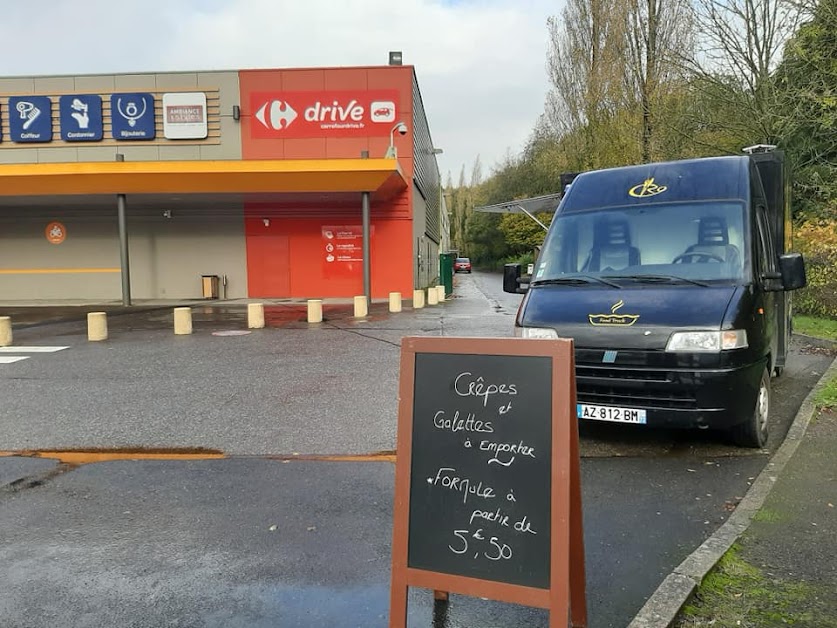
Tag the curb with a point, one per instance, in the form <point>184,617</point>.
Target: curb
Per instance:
<point>665,603</point>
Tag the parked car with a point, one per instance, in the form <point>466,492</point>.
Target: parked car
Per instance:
<point>462,265</point>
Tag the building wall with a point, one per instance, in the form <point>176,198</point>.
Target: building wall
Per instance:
<point>33,269</point>
<point>167,256</point>
<point>288,257</point>
<point>285,256</point>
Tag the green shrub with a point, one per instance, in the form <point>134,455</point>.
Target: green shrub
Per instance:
<point>817,240</point>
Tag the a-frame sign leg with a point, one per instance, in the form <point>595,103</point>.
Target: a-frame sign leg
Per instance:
<point>578,584</point>
<point>398,603</point>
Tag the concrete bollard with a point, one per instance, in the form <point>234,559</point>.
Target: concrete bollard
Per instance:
<point>97,326</point>
<point>361,307</point>
<point>394,301</point>
<point>432,296</point>
<point>255,315</point>
<point>182,321</point>
<point>5,331</point>
<point>418,299</point>
<point>315,311</point>
<point>440,293</point>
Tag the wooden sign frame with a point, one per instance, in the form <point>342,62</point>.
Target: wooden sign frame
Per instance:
<point>565,599</point>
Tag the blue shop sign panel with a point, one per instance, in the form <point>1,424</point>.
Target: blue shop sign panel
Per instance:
<point>132,116</point>
<point>81,117</point>
<point>30,119</point>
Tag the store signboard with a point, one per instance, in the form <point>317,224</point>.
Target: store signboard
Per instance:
<point>132,116</point>
<point>81,117</point>
<point>30,118</point>
<point>184,116</point>
<point>355,113</point>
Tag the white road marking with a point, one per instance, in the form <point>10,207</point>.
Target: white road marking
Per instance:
<point>8,359</point>
<point>31,349</point>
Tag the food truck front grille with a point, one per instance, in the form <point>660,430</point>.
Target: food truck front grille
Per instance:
<point>615,386</point>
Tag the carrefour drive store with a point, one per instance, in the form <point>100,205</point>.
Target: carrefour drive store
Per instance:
<point>280,183</point>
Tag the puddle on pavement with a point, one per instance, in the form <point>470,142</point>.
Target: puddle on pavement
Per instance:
<point>88,456</point>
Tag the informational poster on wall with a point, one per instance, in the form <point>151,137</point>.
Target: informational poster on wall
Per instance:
<point>342,249</point>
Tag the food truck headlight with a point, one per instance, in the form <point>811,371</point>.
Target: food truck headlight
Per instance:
<point>535,332</point>
<point>708,341</point>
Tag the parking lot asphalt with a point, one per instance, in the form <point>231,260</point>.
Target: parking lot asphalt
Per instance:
<point>262,538</point>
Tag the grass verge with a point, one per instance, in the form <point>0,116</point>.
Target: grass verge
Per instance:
<point>819,327</point>
<point>827,396</point>
<point>739,594</point>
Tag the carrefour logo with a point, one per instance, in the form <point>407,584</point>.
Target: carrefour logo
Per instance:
<point>276,114</point>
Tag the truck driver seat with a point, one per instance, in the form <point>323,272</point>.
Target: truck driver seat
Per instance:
<point>713,239</point>
<point>612,248</point>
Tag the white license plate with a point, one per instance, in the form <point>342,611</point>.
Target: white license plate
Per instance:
<point>609,413</point>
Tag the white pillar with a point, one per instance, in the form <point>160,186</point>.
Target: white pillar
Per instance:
<point>255,315</point>
<point>394,301</point>
<point>5,331</point>
<point>418,299</point>
<point>361,307</point>
<point>182,321</point>
<point>97,326</point>
<point>432,296</point>
<point>440,293</point>
<point>315,311</point>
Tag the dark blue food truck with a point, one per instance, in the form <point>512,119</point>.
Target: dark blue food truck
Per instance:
<point>673,279</point>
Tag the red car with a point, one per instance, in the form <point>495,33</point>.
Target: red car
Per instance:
<point>382,111</point>
<point>462,265</point>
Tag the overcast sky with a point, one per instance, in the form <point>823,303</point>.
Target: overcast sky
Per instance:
<point>480,63</point>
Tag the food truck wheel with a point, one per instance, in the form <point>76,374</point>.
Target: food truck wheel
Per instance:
<point>753,431</point>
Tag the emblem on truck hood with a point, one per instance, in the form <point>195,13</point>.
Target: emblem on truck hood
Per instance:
<point>647,188</point>
<point>613,319</point>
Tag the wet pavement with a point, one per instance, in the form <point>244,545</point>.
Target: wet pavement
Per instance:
<point>251,541</point>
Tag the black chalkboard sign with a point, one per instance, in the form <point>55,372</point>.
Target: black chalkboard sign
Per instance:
<point>487,484</point>
<point>480,474</point>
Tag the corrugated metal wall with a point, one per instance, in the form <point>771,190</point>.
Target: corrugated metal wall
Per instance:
<point>426,172</point>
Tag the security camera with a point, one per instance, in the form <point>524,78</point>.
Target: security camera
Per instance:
<point>401,128</point>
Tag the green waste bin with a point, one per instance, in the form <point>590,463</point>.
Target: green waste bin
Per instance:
<point>446,261</point>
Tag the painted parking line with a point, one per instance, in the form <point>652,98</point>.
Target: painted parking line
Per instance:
<point>9,359</point>
<point>31,349</point>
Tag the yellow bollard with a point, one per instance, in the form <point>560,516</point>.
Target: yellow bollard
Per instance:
<point>255,315</point>
<point>440,293</point>
<point>361,307</point>
<point>432,296</point>
<point>315,311</point>
<point>418,299</point>
<point>182,321</point>
<point>394,301</point>
<point>5,331</point>
<point>97,326</point>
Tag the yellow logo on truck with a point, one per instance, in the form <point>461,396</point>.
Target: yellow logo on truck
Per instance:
<point>647,188</point>
<point>613,319</point>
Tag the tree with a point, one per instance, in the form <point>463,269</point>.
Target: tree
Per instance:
<point>612,65</point>
<point>658,35</point>
<point>806,82</point>
<point>523,234</point>
<point>586,71</point>
<point>741,43</point>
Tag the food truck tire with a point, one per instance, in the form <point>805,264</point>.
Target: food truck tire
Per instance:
<point>753,431</point>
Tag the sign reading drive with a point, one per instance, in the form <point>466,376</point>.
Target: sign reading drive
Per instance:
<point>488,500</point>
